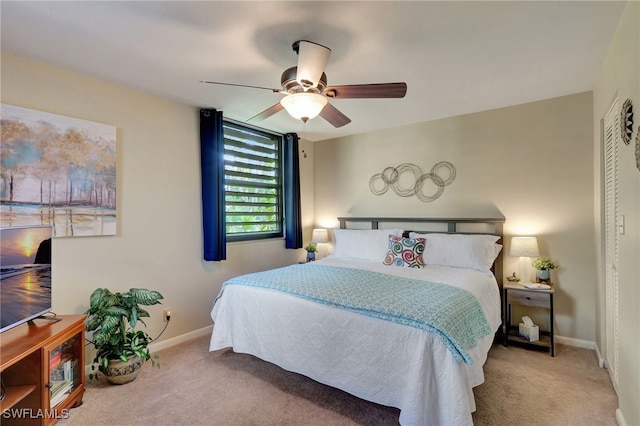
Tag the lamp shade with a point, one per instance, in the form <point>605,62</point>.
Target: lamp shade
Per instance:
<point>320,236</point>
<point>312,58</point>
<point>524,247</point>
<point>304,105</point>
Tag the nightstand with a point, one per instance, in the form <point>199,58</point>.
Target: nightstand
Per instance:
<point>518,294</point>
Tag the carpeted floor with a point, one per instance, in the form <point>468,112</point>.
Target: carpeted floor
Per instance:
<point>193,386</point>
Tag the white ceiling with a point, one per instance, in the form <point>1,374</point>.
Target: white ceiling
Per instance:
<point>456,57</point>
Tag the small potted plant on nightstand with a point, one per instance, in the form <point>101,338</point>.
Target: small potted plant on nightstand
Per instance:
<point>311,249</point>
<point>120,349</point>
<point>543,267</point>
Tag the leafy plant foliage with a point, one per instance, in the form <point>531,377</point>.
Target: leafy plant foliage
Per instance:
<point>112,317</point>
<point>542,263</point>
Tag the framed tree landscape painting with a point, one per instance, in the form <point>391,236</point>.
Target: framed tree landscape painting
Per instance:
<point>58,171</point>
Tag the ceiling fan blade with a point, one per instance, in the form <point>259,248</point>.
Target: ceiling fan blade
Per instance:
<point>312,58</point>
<point>361,91</point>
<point>243,85</point>
<point>334,116</point>
<point>267,112</point>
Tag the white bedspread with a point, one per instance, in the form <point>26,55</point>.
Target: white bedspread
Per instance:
<point>379,361</point>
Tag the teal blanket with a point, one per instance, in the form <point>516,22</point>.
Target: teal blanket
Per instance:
<point>452,314</point>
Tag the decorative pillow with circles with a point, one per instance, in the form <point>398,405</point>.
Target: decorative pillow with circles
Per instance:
<point>405,252</point>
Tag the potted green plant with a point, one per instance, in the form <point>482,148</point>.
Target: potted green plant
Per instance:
<point>311,249</point>
<point>120,348</point>
<point>543,265</point>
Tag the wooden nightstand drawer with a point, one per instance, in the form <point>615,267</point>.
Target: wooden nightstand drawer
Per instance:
<point>528,298</point>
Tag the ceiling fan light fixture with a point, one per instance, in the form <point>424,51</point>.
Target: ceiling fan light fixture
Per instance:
<point>304,106</point>
<point>312,58</point>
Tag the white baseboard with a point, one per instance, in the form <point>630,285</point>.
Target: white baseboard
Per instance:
<point>164,344</point>
<point>600,357</point>
<point>578,343</point>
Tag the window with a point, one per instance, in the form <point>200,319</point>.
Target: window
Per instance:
<point>253,183</point>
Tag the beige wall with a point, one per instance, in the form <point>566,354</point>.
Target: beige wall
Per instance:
<point>620,78</point>
<point>532,163</point>
<point>159,240</point>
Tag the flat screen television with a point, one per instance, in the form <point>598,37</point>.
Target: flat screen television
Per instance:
<point>25,274</point>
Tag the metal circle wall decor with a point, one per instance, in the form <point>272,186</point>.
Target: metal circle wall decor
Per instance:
<point>626,121</point>
<point>390,178</point>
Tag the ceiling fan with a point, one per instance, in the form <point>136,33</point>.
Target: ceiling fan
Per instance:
<point>307,93</point>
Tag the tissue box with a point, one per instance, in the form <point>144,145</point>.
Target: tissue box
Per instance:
<point>529,333</point>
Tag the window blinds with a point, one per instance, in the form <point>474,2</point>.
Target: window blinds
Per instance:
<point>253,183</point>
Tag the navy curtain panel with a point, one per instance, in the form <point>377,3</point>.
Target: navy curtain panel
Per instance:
<point>212,168</point>
<point>292,210</point>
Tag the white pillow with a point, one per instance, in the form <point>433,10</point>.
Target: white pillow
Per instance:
<point>496,251</point>
<point>367,244</point>
<point>460,250</point>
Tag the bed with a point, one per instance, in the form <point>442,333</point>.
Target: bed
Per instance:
<point>375,321</point>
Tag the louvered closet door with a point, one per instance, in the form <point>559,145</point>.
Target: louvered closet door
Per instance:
<point>611,162</point>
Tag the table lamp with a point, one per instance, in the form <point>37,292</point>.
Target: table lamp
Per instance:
<point>320,236</point>
<point>525,248</point>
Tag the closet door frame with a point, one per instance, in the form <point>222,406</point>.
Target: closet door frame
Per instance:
<point>610,225</point>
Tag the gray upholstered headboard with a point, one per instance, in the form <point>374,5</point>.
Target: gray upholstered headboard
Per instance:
<point>491,226</point>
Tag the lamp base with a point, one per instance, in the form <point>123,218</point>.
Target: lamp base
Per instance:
<point>524,264</point>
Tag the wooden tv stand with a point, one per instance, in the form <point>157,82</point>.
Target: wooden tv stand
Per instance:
<point>42,362</point>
